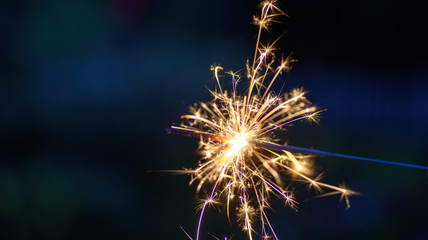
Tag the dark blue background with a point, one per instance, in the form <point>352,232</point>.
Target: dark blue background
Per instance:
<point>87,87</point>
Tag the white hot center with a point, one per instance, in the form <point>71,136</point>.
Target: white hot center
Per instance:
<point>236,145</point>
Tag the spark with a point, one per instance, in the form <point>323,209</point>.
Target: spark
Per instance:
<point>242,161</point>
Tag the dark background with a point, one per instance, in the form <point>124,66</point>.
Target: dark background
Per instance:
<point>87,87</point>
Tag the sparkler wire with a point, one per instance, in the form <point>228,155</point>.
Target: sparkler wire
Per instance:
<point>290,148</point>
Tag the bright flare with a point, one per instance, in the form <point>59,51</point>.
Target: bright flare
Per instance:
<point>237,170</point>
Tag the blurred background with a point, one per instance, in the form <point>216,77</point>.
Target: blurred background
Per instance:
<point>87,88</point>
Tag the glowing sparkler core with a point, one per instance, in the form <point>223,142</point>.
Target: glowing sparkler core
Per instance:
<point>237,145</point>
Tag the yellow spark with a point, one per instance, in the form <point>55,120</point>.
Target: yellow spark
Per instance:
<point>216,69</point>
<point>293,159</point>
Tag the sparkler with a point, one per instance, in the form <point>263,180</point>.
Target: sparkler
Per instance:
<point>242,163</point>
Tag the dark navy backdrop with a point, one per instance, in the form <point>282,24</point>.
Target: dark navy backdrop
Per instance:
<point>87,87</point>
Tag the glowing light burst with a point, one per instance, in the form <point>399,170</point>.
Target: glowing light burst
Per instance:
<point>242,164</point>
<point>236,168</point>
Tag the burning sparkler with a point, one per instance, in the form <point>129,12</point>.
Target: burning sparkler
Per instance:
<point>241,161</point>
